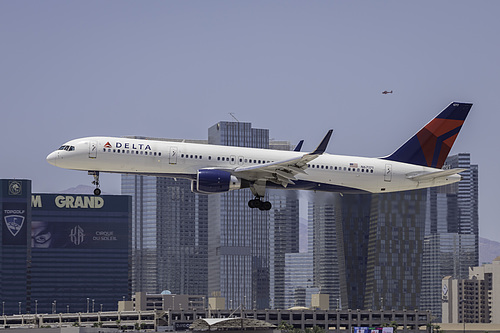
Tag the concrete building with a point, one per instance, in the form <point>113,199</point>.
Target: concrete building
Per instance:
<point>335,321</point>
<point>142,301</point>
<point>473,300</point>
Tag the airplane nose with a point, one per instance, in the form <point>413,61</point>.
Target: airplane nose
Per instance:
<point>52,157</point>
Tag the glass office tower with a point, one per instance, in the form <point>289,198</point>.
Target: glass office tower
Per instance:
<point>169,235</point>
<point>451,243</point>
<point>15,252</point>
<point>244,242</point>
<point>80,247</point>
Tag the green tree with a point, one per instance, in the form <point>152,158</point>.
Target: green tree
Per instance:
<point>285,326</point>
<point>392,324</point>
<point>317,329</point>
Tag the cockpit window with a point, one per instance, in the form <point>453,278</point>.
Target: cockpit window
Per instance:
<point>67,148</point>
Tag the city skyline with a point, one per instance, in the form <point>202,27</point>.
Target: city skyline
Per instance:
<point>172,69</point>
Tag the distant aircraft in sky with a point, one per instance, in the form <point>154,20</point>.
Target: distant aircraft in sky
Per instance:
<point>385,92</point>
<point>218,169</point>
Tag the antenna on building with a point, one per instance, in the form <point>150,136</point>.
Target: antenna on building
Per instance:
<point>232,115</point>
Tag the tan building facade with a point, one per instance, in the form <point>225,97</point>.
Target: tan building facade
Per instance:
<point>473,300</point>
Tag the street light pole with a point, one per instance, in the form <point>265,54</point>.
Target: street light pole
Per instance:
<point>88,300</point>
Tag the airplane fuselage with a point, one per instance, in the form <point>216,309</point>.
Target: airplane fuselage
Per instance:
<point>345,174</point>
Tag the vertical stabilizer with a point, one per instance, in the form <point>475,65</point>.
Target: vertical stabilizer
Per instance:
<point>431,145</point>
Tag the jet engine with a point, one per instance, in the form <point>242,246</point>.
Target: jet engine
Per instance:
<point>210,181</point>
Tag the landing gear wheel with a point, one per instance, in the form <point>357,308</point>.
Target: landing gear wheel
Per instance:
<point>257,203</point>
<point>266,205</point>
<point>254,203</point>
<point>97,190</point>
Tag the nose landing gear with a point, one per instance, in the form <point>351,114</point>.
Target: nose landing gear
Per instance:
<point>257,203</point>
<point>97,190</point>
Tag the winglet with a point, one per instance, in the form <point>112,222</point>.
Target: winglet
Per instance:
<point>299,145</point>
<point>322,146</point>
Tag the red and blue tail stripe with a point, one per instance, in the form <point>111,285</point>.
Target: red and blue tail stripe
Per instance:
<point>431,145</point>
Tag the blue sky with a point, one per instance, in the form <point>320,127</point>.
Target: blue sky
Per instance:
<point>174,68</point>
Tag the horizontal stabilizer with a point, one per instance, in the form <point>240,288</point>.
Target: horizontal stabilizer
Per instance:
<point>419,176</point>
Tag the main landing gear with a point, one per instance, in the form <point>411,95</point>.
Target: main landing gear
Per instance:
<point>257,203</point>
<point>97,190</point>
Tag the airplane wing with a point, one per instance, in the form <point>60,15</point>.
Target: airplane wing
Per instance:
<point>281,172</point>
<point>426,176</point>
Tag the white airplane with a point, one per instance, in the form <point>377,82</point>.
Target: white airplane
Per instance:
<point>216,169</point>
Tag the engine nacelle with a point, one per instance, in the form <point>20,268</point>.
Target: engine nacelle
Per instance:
<point>214,181</point>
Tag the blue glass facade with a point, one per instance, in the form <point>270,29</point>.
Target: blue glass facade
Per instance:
<point>80,248</point>
<point>15,196</point>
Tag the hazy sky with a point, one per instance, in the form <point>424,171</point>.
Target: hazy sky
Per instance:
<point>174,68</point>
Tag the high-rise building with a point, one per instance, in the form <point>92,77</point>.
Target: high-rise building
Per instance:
<point>355,227</point>
<point>299,280</point>
<point>243,242</point>
<point>475,299</point>
<point>169,235</point>
<point>144,263</point>
<point>395,247</point>
<point>451,241</point>
<point>80,255</point>
<point>283,240</point>
<point>327,247</point>
<point>15,252</point>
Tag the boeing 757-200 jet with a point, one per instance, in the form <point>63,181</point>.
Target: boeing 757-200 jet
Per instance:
<point>217,169</point>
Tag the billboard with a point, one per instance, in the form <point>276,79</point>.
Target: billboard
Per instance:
<point>14,226</point>
<point>80,221</point>
<point>84,235</point>
<point>373,329</point>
